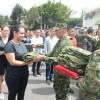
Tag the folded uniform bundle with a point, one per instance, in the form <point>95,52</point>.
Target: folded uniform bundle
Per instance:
<point>79,53</point>
<point>1,52</point>
<point>74,63</point>
<point>75,59</point>
<point>30,56</point>
<point>40,45</point>
<point>65,72</point>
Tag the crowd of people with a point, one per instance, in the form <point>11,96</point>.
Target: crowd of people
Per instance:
<point>16,42</point>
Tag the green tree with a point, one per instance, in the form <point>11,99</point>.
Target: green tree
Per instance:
<point>4,20</point>
<point>31,17</point>
<point>76,22</point>
<point>47,12</point>
<point>56,12</point>
<point>16,15</point>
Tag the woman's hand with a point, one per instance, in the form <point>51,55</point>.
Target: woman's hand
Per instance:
<point>1,54</point>
<point>30,62</point>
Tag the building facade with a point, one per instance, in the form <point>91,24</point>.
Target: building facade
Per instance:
<point>91,19</point>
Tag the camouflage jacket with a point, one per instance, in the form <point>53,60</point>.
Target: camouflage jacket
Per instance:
<point>93,40</point>
<point>79,39</point>
<point>89,85</point>
<point>53,56</point>
<point>68,56</point>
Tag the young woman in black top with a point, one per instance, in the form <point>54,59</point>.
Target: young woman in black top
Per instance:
<point>3,61</point>
<point>17,70</point>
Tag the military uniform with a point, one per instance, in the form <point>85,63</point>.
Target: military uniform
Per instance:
<point>61,55</point>
<point>89,85</point>
<point>61,83</point>
<point>79,39</point>
<point>93,40</point>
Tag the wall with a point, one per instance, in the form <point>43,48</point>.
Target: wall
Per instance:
<point>91,22</point>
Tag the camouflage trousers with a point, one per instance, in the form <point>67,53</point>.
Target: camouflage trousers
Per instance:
<point>88,96</point>
<point>61,86</point>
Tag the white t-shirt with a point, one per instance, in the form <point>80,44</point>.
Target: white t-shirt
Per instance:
<point>50,43</point>
<point>36,41</point>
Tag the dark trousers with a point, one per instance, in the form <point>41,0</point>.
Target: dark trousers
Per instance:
<point>16,87</point>
<point>34,67</point>
<point>49,71</point>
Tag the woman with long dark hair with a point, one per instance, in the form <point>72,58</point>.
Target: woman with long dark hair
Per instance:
<point>17,70</point>
<point>3,60</point>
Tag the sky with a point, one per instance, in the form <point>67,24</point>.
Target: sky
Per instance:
<point>6,6</point>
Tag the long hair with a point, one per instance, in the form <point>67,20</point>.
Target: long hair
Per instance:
<point>14,29</point>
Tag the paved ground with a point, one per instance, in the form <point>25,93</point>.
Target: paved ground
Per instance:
<point>37,89</point>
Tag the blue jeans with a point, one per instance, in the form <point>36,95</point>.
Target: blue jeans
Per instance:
<point>42,52</point>
<point>49,71</point>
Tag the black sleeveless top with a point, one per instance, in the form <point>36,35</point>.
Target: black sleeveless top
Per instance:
<point>3,59</point>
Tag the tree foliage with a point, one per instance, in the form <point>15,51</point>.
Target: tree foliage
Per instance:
<point>16,15</point>
<point>4,20</point>
<point>56,12</point>
<point>47,12</point>
<point>76,22</point>
<point>31,17</point>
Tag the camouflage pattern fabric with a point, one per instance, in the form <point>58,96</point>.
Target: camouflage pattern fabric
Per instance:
<point>30,56</point>
<point>61,86</point>
<point>89,85</point>
<point>93,40</point>
<point>75,59</point>
<point>72,61</point>
<point>40,45</point>
<point>79,39</point>
<point>71,57</point>
<point>1,52</point>
<point>61,83</point>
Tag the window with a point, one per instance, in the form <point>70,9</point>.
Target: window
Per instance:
<point>86,18</point>
<point>90,16</point>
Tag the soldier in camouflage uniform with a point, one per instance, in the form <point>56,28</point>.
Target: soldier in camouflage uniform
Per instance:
<point>59,55</point>
<point>89,85</point>
<point>95,41</point>
<point>61,83</point>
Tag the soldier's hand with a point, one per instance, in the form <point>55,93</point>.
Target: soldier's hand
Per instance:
<point>39,58</point>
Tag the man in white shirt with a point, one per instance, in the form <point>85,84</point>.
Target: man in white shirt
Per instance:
<point>50,42</point>
<point>36,40</point>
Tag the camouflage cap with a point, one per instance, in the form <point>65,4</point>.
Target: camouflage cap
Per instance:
<point>59,26</point>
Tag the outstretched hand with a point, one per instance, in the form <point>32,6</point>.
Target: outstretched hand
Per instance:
<point>38,58</point>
